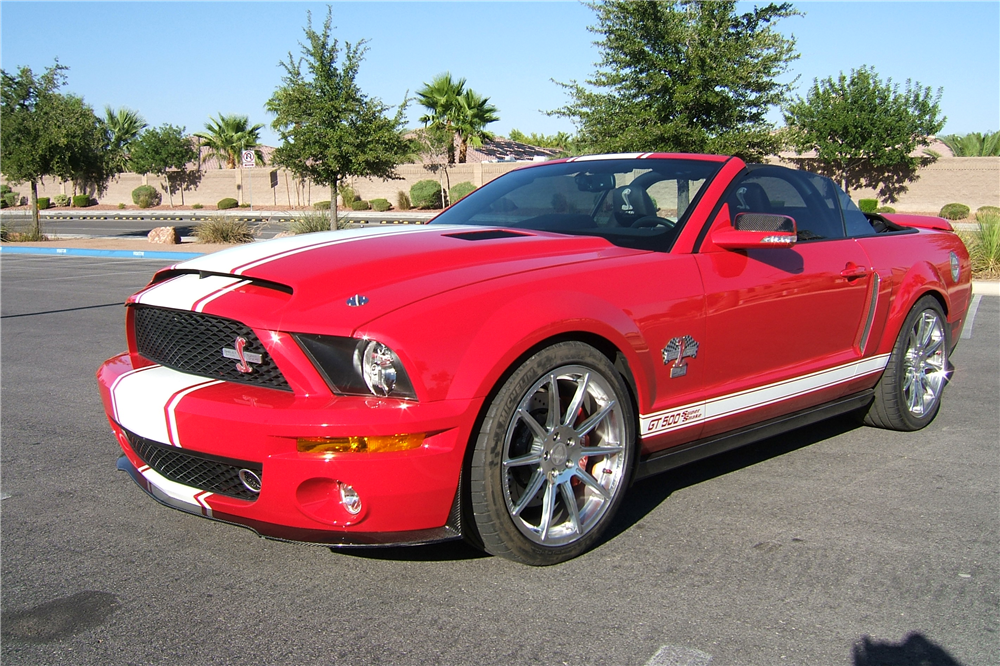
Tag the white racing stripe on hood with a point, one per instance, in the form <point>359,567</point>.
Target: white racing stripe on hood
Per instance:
<point>240,259</point>
<point>185,291</point>
<point>145,401</point>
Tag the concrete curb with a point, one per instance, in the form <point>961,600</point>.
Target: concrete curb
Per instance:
<point>986,288</point>
<point>118,254</point>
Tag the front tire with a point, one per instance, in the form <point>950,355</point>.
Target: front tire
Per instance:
<point>909,394</point>
<point>554,456</point>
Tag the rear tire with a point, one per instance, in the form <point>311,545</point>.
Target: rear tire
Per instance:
<point>554,456</point>
<point>909,394</point>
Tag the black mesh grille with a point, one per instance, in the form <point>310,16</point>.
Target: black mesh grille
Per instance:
<point>192,342</point>
<point>763,222</point>
<point>197,470</point>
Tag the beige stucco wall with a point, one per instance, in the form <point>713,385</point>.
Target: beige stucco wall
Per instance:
<point>974,181</point>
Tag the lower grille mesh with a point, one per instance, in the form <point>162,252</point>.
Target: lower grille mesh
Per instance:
<point>197,470</point>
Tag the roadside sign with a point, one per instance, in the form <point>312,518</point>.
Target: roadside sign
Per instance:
<point>249,159</point>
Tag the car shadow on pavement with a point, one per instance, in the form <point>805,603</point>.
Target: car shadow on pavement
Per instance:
<point>649,493</point>
<point>446,551</point>
<point>916,649</point>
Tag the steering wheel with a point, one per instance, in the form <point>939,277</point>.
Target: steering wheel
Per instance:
<point>653,221</point>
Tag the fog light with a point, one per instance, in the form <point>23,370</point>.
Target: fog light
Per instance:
<point>381,444</point>
<point>350,499</point>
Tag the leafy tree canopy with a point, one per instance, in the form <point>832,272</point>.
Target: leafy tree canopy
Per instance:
<point>45,133</point>
<point>328,127</point>
<point>683,75</point>
<point>864,131</point>
<point>159,149</point>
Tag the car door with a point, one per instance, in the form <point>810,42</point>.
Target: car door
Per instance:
<point>782,325</point>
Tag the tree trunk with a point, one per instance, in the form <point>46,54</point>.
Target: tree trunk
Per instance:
<point>36,230</point>
<point>463,150</point>
<point>170,190</point>
<point>333,204</point>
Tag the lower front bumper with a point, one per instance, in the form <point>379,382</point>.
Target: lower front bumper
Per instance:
<point>177,496</point>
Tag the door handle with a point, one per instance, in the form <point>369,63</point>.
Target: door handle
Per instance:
<point>853,271</point>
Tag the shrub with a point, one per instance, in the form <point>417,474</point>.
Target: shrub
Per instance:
<point>81,200</point>
<point>11,198</point>
<point>460,190</point>
<point>121,206</point>
<point>197,206</point>
<point>321,205</point>
<point>4,189</point>
<point>309,223</point>
<point>221,229</point>
<point>61,200</point>
<point>348,195</point>
<point>986,210</point>
<point>984,246</point>
<point>227,203</point>
<point>954,211</point>
<point>145,196</point>
<point>403,201</point>
<point>360,205</point>
<point>43,203</point>
<point>426,194</point>
<point>868,205</point>
<point>885,209</point>
<point>380,205</point>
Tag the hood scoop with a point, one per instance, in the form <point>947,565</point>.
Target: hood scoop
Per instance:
<point>487,234</point>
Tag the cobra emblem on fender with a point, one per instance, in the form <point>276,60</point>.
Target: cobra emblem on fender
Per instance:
<point>245,358</point>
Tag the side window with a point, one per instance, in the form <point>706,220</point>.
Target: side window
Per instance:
<point>783,191</point>
<point>855,221</point>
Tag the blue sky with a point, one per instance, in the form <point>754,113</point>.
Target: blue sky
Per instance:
<point>181,62</point>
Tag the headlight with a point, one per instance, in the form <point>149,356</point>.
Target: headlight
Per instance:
<point>357,367</point>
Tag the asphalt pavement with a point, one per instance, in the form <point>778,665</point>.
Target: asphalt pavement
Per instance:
<point>835,544</point>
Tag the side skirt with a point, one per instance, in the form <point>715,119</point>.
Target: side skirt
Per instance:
<point>678,456</point>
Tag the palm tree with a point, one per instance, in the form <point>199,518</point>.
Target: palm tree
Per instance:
<point>228,136</point>
<point>122,128</point>
<point>474,113</point>
<point>973,144</point>
<point>440,98</point>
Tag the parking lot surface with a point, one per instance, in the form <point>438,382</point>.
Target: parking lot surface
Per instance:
<point>835,544</point>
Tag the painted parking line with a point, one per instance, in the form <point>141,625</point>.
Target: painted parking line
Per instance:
<point>971,318</point>
<point>673,655</point>
<point>79,252</point>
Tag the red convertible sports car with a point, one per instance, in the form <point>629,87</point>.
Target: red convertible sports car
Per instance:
<point>505,372</point>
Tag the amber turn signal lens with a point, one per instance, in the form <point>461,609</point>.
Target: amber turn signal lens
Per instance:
<point>324,445</point>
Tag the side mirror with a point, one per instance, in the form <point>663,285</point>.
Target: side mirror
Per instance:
<point>757,230</point>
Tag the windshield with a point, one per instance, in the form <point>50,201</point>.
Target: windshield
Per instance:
<point>631,202</point>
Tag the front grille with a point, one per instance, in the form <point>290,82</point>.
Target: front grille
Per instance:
<point>192,342</point>
<point>197,470</point>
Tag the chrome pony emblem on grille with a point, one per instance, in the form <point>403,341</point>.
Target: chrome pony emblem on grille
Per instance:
<point>677,350</point>
<point>245,358</point>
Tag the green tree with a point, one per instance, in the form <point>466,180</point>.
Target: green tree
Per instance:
<point>163,151</point>
<point>458,111</point>
<point>864,131</point>
<point>329,128</point>
<point>227,136</point>
<point>474,113</point>
<point>973,144</point>
<point>683,75</point>
<point>123,127</point>
<point>440,98</point>
<point>45,133</point>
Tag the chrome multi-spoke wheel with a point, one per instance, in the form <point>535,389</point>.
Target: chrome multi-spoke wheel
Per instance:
<point>909,394</point>
<point>562,455</point>
<point>554,456</point>
<point>925,369</point>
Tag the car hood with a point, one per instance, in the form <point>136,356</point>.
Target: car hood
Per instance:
<point>387,268</point>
